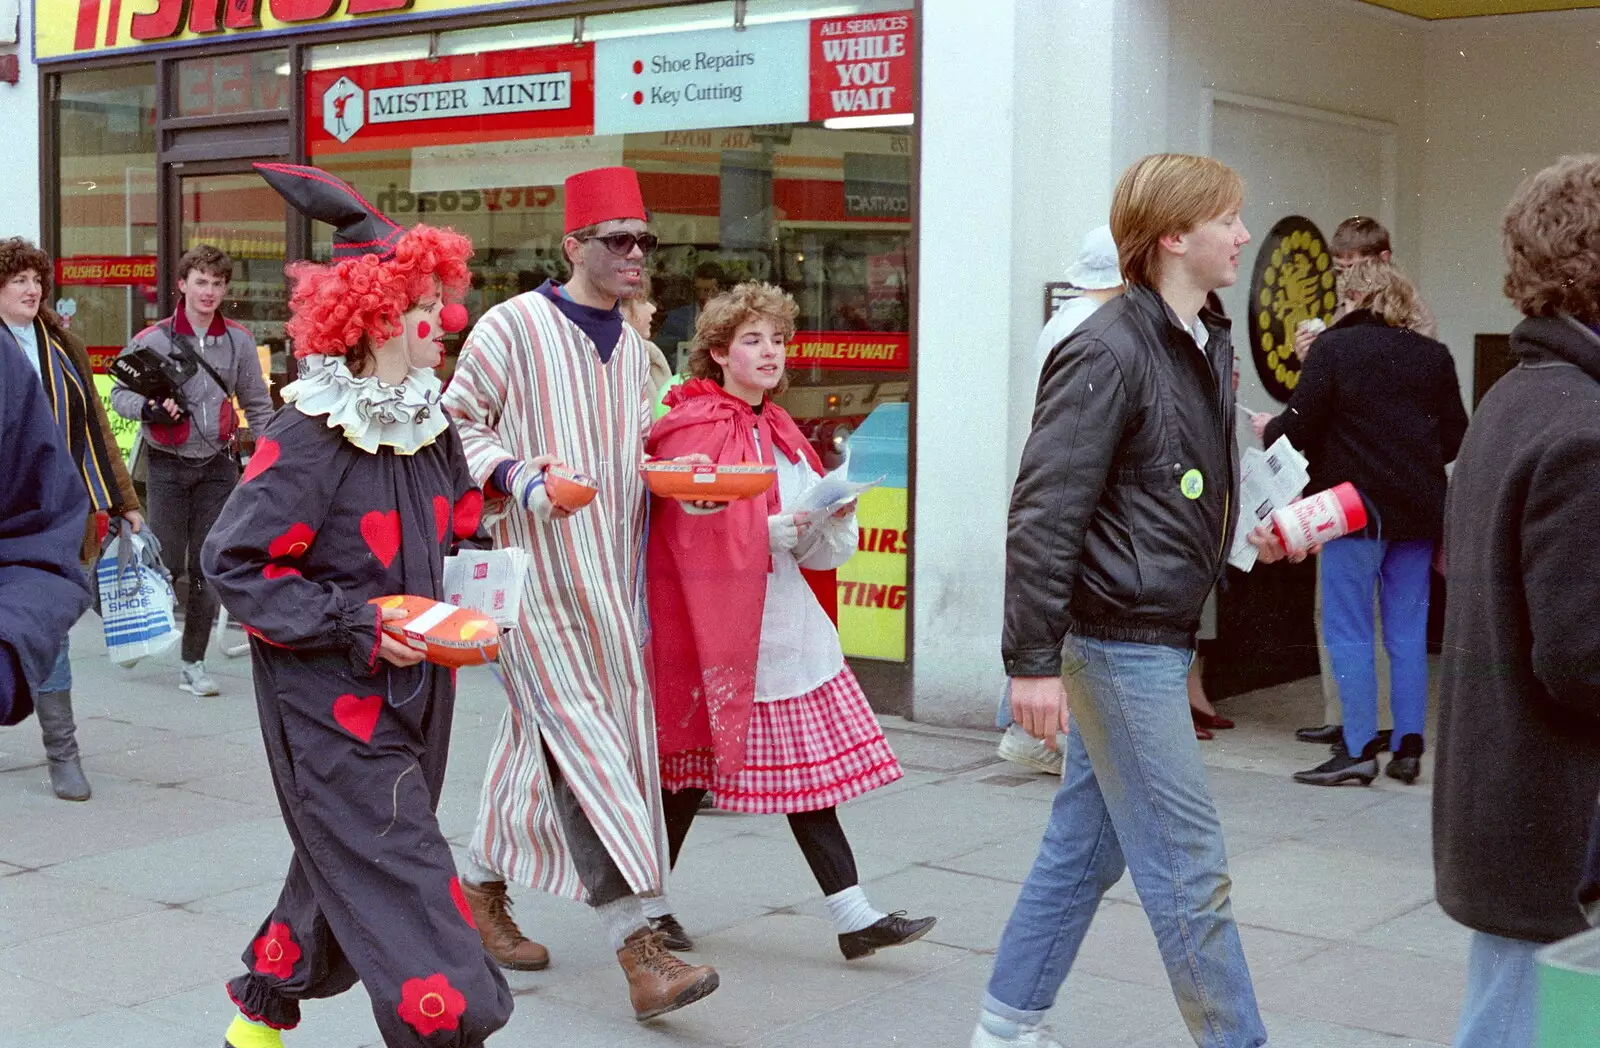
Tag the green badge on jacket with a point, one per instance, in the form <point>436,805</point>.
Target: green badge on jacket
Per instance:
<point>1193,484</point>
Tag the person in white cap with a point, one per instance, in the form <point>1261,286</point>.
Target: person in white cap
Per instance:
<point>1096,274</point>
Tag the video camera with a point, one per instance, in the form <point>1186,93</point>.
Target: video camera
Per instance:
<point>152,375</point>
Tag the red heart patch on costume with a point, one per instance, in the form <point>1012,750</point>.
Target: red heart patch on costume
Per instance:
<point>358,716</point>
<point>265,455</point>
<point>441,515</point>
<point>468,514</point>
<point>382,532</point>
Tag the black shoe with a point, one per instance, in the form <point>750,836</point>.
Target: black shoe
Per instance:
<point>1342,767</point>
<point>894,930</point>
<point>672,934</point>
<point>1324,734</point>
<point>1406,764</point>
<point>1327,734</point>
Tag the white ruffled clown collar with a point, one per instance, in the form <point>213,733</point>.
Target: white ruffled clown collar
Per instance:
<point>373,414</point>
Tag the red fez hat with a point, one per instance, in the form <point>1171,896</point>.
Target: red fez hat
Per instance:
<point>601,195</point>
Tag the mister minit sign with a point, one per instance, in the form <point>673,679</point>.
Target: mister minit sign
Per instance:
<point>774,73</point>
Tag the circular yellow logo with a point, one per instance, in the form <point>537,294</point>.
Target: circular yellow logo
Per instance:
<point>1193,484</point>
<point>1294,281</point>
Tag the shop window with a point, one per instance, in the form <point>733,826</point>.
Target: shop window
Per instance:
<point>231,85</point>
<point>481,133</point>
<point>106,269</point>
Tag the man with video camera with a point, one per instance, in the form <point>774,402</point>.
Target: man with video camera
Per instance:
<point>180,378</point>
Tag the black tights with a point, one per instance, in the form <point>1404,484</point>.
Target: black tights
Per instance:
<point>821,838</point>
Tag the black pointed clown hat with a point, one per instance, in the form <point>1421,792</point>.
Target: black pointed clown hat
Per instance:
<point>359,228</point>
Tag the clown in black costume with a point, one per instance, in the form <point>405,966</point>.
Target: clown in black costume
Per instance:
<point>357,490</point>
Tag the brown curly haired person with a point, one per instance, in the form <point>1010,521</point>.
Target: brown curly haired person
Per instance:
<point>62,365</point>
<point>1518,751</point>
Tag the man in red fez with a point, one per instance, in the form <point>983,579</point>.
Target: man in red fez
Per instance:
<point>571,803</point>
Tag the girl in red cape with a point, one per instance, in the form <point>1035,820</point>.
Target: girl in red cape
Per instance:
<point>754,701</point>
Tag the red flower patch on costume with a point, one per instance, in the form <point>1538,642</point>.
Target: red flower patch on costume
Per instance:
<point>276,952</point>
<point>459,897</point>
<point>468,514</point>
<point>382,533</point>
<point>358,716</point>
<point>265,455</point>
<point>441,516</point>
<point>431,1004</point>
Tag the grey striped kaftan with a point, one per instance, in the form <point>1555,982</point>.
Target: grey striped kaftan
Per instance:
<point>530,382</point>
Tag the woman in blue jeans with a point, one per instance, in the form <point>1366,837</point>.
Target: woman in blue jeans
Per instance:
<point>1377,405</point>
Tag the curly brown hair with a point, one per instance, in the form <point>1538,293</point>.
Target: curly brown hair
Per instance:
<point>18,255</point>
<point>725,314</point>
<point>1551,235</point>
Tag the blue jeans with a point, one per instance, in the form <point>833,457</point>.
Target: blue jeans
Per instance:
<point>1133,796</point>
<point>60,678</point>
<point>1498,1010</point>
<point>1352,568</point>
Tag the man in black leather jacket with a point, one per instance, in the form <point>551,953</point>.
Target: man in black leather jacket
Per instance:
<point>1120,522</point>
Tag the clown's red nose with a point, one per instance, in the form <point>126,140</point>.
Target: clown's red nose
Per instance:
<point>453,317</point>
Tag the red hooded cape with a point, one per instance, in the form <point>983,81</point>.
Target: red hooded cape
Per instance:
<point>708,574</point>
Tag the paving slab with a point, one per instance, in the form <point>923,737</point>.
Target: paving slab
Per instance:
<point>130,961</point>
<point>33,905</point>
<point>1333,890</point>
<point>776,970</point>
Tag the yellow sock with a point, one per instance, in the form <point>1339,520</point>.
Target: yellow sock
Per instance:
<point>246,1034</point>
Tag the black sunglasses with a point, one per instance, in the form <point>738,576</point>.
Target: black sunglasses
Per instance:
<point>624,243</point>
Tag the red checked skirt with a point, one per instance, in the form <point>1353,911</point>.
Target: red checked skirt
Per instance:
<point>810,752</point>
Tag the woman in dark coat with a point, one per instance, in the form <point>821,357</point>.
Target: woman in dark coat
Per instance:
<point>61,365</point>
<point>1518,763</point>
<point>42,502</point>
<point>1377,405</point>
<point>357,490</point>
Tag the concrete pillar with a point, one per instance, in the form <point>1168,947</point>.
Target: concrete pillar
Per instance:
<point>1018,162</point>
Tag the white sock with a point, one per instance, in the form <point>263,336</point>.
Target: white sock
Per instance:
<point>621,918</point>
<point>477,873</point>
<point>656,905</point>
<point>851,911</point>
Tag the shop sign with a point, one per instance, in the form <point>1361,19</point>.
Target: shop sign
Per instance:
<point>872,584</point>
<point>107,270</point>
<point>497,96</point>
<point>851,350</point>
<point>78,28</point>
<point>1293,280</point>
<point>714,78</point>
<point>861,66</point>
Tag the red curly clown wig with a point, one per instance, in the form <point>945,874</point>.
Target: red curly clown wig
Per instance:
<point>354,305</point>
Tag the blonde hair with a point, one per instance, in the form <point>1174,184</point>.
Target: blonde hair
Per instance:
<point>725,314</point>
<point>1380,288</point>
<point>1163,195</point>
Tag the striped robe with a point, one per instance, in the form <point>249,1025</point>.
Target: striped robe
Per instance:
<point>530,382</point>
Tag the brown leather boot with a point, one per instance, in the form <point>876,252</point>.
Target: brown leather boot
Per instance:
<point>491,910</point>
<point>658,982</point>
